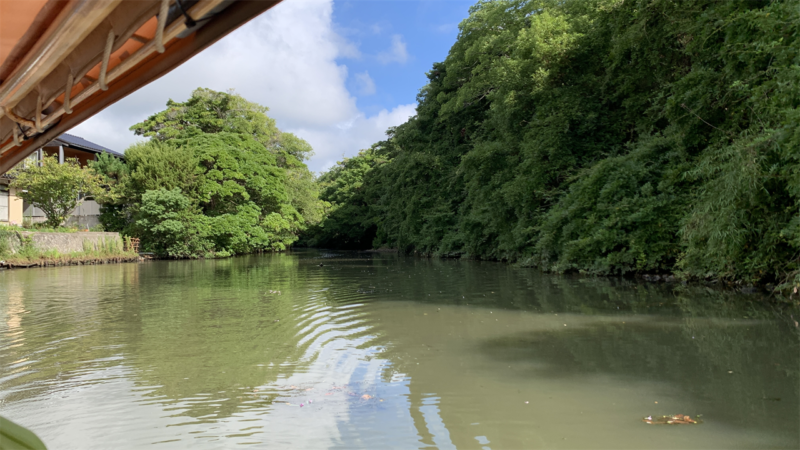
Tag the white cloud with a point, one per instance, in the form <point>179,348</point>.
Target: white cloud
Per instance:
<point>347,138</point>
<point>396,53</point>
<point>365,84</point>
<point>285,59</point>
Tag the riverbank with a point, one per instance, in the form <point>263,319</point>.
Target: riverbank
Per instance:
<point>22,249</point>
<point>79,259</point>
<point>783,293</point>
<point>530,157</point>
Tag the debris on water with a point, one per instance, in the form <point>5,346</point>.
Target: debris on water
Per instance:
<point>366,397</point>
<point>301,405</point>
<point>526,403</point>
<point>274,292</point>
<point>675,419</point>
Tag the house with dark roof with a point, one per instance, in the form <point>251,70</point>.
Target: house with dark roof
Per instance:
<point>13,211</point>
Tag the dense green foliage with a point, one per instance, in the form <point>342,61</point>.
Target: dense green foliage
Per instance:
<point>54,188</point>
<point>604,136</point>
<point>217,178</point>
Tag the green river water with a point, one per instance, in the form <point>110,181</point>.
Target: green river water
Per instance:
<point>369,350</point>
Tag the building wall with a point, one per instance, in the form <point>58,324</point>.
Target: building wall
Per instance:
<point>85,215</point>
<point>14,208</point>
<point>3,204</point>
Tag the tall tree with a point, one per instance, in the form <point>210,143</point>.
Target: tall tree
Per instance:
<point>217,177</point>
<point>54,188</point>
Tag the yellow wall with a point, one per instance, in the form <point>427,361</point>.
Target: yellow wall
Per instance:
<point>14,208</point>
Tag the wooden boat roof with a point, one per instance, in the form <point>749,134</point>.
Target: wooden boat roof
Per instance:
<point>62,61</point>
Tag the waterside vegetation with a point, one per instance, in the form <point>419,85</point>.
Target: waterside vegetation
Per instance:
<point>17,249</point>
<point>216,178</point>
<point>599,136</point>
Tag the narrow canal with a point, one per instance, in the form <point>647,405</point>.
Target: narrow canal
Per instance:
<point>364,350</point>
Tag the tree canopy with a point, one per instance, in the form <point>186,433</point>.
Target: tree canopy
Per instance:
<point>210,112</point>
<point>216,178</point>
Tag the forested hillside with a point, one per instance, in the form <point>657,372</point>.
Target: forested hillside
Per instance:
<point>604,136</point>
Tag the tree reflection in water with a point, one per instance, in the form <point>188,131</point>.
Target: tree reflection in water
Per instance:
<point>412,352</point>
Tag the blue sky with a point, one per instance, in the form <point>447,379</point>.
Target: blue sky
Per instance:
<point>427,29</point>
<point>335,73</point>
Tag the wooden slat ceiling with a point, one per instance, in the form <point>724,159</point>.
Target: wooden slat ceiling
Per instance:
<point>65,60</point>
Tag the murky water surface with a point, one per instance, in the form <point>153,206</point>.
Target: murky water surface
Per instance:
<point>364,350</point>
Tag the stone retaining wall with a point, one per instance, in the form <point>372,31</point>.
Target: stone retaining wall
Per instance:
<point>64,242</point>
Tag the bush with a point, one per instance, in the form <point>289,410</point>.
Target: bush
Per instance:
<point>173,228</point>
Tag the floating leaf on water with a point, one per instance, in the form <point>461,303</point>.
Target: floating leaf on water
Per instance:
<point>676,419</point>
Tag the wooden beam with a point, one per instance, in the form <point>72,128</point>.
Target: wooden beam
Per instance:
<point>153,67</point>
<point>200,9</point>
<point>140,39</point>
<point>173,30</point>
<point>70,28</point>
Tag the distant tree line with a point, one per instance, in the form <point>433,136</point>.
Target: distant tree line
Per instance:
<point>601,136</point>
